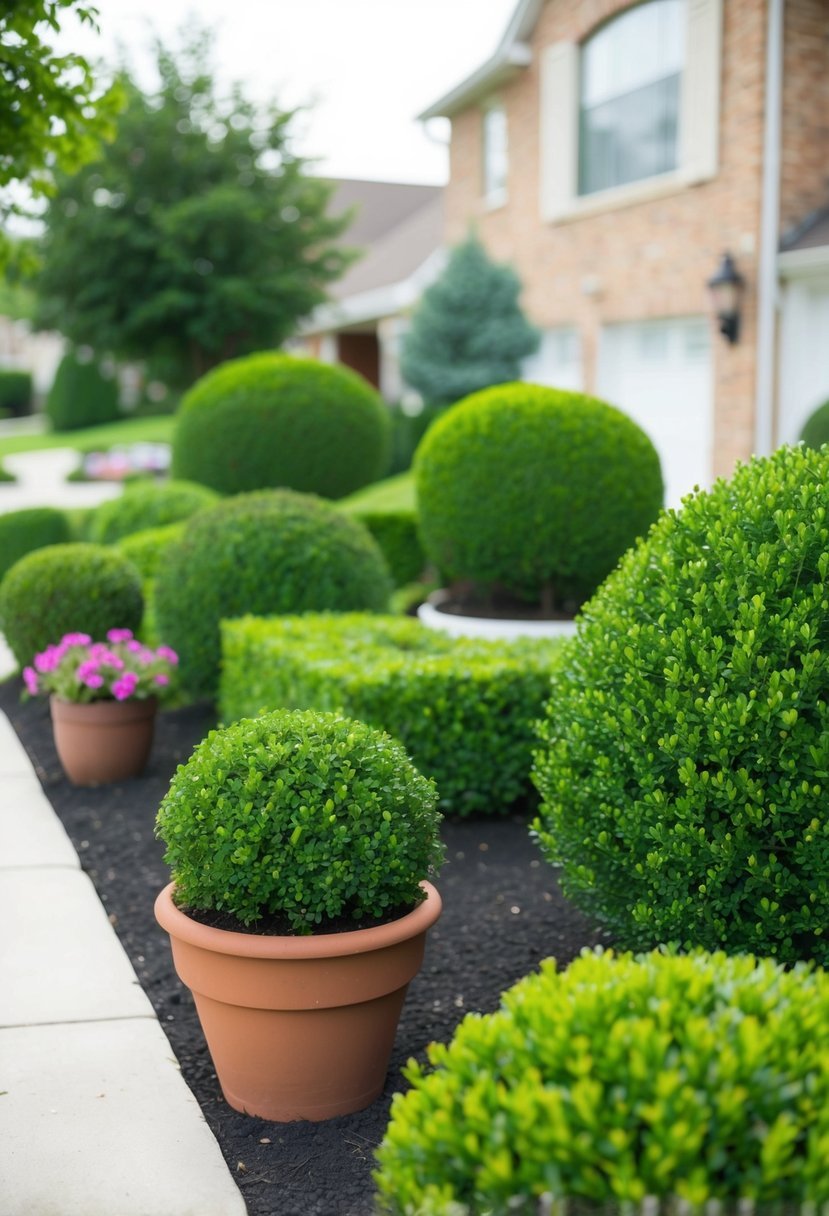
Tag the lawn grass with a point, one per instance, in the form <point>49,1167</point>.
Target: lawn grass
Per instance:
<point>155,429</point>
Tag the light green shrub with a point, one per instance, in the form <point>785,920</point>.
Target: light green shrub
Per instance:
<point>148,505</point>
<point>146,549</point>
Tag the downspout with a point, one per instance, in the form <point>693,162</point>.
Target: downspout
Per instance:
<point>766,363</point>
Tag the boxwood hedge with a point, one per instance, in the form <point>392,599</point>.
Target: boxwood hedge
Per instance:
<point>464,710</point>
<point>31,528</point>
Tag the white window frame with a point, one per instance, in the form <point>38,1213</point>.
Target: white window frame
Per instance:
<point>698,123</point>
<point>493,195</point>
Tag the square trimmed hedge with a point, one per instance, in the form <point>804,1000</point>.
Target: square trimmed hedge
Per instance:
<point>465,710</point>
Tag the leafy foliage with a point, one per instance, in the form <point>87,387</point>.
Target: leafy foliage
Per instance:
<point>396,534</point>
<point>31,528</point>
<point>273,420</point>
<point>537,489</point>
<point>468,331</point>
<point>300,813</point>
<point>15,393</point>
<point>81,395</point>
<point>197,236</point>
<point>67,588</point>
<point>273,551</point>
<point>463,710</point>
<point>816,427</point>
<point>146,549</point>
<point>145,505</point>
<point>684,761</point>
<point>80,670</point>
<point>690,1078</point>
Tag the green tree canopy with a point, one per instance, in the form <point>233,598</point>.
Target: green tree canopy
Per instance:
<point>468,332</point>
<point>198,235</point>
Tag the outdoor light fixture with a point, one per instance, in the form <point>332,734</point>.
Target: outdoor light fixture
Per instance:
<point>726,288</point>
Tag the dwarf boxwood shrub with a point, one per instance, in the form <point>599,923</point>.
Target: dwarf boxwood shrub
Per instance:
<point>81,395</point>
<point>464,710</point>
<point>146,549</point>
<point>271,552</point>
<point>148,505</point>
<point>678,1078</point>
<point>535,489</point>
<point>23,531</point>
<point>396,534</point>
<point>684,764</point>
<point>303,814</point>
<point>816,428</point>
<point>274,420</point>
<point>15,392</point>
<point>66,589</point>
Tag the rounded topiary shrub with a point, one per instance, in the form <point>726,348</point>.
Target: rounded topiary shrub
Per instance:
<point>146,505</point>
<point>534,489</point>
<point>22,532</point>
<point>682,1078</point>
<point>272,420</point>
<point>81,395</point>
<point>684,759</point>
<point>146,549</point>
<point>816,428</point>
<point>67,589</point>
<point>271,552</point>
<point>327,819</point>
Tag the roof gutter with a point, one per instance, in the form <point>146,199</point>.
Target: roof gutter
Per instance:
<point>766,363</point>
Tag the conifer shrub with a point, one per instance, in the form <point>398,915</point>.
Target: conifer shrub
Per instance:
<point>304,815</point>
<point>31,528</point>
<point>81,395</point>
<point>67,588</point>
<point>148,505</point>
<point>464,710</point>
<point>534,489</point>
<point>680,1079</point>
<point>684,760</point>
<point>272,420</point>
<point>274,551</point>
<point>15,393</point>
<point>816,427</point>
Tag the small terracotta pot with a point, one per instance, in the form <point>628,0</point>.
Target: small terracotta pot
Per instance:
<point>103,741</point>
<point>299,1027</point>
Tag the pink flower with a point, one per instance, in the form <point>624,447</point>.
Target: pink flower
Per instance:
<point>165,652</point>
<point>75,639</point>
<point>93,680</point>
<point>124,686</point>
<point>162,679</point>
<point>119,635</point>
<point>134,645</point>
<point>146,656</point>
<point>86,669</point>
<point>30,680</point>
<point>48,659</point>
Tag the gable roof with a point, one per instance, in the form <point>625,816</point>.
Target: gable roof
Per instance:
<point>512,53</point>
<point>378,206</point>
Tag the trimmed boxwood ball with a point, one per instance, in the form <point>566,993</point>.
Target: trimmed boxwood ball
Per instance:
<point>22,532</point>
<point>816,428</point>
<point>684,759</point>
<point>146,549</point>
<point>271,420</point>
<point>146,505</point>
<point>66,589</point>
<point>304,815</point>
<point>689,1078</point>
<point>535,489</point>
<point>275,551</point>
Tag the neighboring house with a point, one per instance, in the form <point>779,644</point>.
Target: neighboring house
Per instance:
<point>23,350</point>
<point>613,152</point>
<point>399,228</point>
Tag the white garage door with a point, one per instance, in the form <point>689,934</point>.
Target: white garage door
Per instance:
<point>659,372</point>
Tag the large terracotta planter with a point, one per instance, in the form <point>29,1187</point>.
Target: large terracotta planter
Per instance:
<point>299,1027</point>
<point>103,741</point>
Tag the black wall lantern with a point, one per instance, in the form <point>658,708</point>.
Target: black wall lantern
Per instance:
<point>726,288</point>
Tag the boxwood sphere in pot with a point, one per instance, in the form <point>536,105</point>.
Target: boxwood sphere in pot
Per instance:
<point>537,490</point>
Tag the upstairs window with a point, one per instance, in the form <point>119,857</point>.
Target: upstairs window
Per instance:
<point>495,154</point>
<point>630,84</point>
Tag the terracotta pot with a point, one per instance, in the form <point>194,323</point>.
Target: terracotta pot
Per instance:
<point>299,1027</point>
<point>103,741</point>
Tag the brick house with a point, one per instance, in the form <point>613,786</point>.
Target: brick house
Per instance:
<point>612,152</point>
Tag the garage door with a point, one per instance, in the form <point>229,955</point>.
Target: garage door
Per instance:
<point>660,373</point>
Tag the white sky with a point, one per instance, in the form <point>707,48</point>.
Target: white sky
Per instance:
<point>371,65</point>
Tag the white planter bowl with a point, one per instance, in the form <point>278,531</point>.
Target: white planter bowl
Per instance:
<point>491,628</point>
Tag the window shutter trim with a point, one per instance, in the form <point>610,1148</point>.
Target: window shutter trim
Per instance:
<point>700,120</point>
<point>558,129</point>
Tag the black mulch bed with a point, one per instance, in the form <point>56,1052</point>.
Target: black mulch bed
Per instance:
<point>503,913</point>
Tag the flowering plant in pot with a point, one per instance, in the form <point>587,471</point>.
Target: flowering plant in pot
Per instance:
<point>103,700</point>
<point>300,843</point>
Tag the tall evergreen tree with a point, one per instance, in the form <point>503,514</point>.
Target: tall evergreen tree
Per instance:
<point>469,331</point>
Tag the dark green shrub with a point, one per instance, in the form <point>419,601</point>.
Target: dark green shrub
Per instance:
<point>271,552</point>
<point>676,1078</point>
<point>307,816</point>
<point>148,505</point>
<point>535,489</point>
<point>5,475</point>
<point>816,428</point>
<point>396,534</point>
<point>683,766</point>
<point>146,549</point>
<point>67,589</point>
<point>407,430</point>
<point>81,395</point>
<point>463,710</point>
<point>273,420</point>
<point>23,531</point>
<point>15,393</point>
